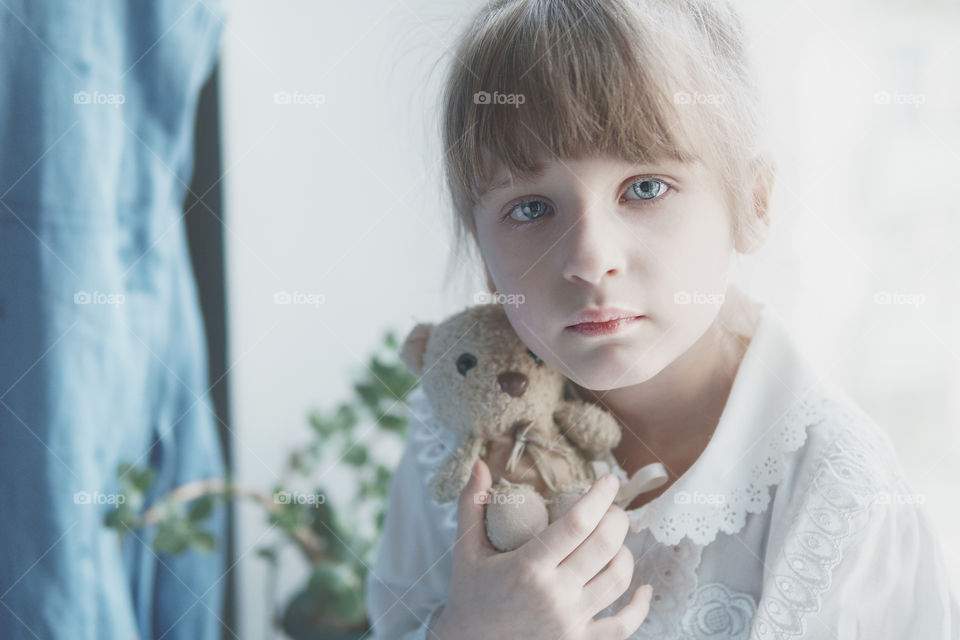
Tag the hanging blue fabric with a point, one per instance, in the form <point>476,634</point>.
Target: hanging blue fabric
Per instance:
<point>102,348</point>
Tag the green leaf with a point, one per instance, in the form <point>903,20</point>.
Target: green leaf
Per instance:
<point>288,518</point>
<point>203,541</point>
<point>122,518</point>
<point>320,424</point>
<point>393,423</point>
<point>201,508</point>
<point>142,479</point>
<point>368,394</point>
<point>390,340</point>
<point>169,540</point>
<point>356,455</point>
<point>347,417</point>
<point>270,555</point>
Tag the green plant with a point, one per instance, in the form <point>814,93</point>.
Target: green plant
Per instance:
<point>335,543</point>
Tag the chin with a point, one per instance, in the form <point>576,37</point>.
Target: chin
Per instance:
<point>603,371</point>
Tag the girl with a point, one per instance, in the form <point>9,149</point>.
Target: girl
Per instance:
<point>602,156</point>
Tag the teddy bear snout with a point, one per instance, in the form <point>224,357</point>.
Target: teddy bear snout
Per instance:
<point>513,382</point>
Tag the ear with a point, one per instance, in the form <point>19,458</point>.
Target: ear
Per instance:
<point>415,346</point>
<point>755,229</point>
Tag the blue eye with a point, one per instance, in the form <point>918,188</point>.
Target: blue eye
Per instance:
<point>647,189</point>
<point>529,210</point>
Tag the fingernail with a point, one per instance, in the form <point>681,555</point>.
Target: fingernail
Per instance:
<point>647,590</point>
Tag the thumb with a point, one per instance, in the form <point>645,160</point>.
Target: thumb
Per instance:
<point>471,525</point>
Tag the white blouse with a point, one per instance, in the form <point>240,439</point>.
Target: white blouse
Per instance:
<point>794,522</point>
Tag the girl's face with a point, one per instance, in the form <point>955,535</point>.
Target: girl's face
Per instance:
<point>599,232</point>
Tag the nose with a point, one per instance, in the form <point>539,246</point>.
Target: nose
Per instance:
<point>594,247</point>
<point>513,383</point>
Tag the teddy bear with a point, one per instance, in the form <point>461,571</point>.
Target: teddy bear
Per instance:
<point>544,446</point>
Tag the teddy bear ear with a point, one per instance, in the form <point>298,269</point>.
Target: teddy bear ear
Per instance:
<point>415,346</point>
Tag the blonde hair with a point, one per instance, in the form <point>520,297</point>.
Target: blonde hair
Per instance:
<point>642,80</point>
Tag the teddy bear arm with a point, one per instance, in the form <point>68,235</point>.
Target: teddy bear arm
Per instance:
<point>454,473</point>
<point>587,426</point>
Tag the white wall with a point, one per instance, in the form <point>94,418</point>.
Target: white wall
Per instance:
<point>342,199</point>
<point>338,198</point>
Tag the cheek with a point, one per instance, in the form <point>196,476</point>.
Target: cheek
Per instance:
<point>696,256</point>
<point>527,324</point>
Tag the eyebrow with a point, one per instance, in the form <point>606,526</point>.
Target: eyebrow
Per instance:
<point>538,173</point>
<point>507,182</point>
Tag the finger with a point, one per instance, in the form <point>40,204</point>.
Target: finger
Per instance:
<point>624,623</point>
<point>564,535</point>
<point>608,585</point>
<point>471,530</point>
<point>600,547</point>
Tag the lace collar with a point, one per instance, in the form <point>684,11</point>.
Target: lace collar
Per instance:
<point>774,397</point>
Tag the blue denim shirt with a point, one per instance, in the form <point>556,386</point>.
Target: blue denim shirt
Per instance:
<point>102,350</point>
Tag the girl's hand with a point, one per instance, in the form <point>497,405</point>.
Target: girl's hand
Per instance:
<point>552,586</point>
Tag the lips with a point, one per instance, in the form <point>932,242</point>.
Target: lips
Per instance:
<point>601,315</point>
<point>604,328</point>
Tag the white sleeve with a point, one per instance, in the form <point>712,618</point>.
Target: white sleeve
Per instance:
<point>857,561</point>
<point>407,585</point>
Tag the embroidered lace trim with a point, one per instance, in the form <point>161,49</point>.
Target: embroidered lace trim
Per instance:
<point>858,467</point>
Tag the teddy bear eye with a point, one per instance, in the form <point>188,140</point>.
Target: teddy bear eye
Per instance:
<point>535,358</point>
<point>465,362</point>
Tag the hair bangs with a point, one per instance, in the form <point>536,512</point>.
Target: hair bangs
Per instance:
<point>531,98</point>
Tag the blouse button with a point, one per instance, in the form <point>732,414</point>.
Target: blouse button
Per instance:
<point>667,572</point>
<point>656,597</point>
<point>677,548</point>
